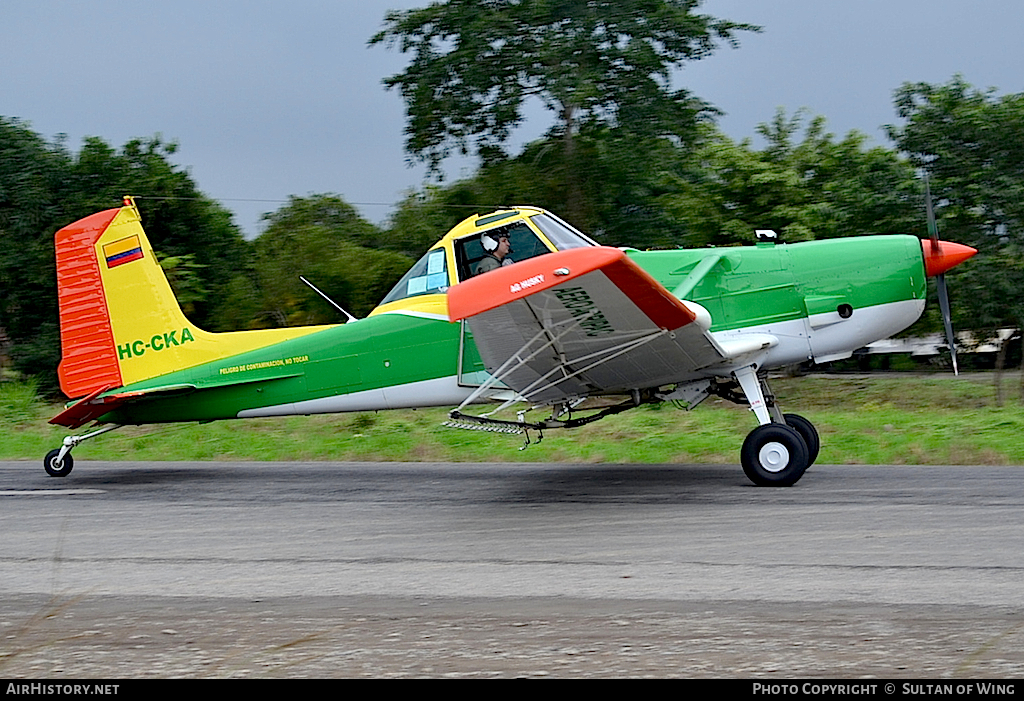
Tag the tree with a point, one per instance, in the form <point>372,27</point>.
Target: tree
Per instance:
<point>804,183</point>
<point>968,141</point>
<point>327,212</point>
<point>596,65</point>
<point>422,217</point>
<point>622,199</point>
<point>31,173</point>
<point>195,237</point>
<point>323,239</point>
<point>43,186</point>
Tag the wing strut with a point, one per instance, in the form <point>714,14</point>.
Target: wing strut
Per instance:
<point>515,361</point>
<point>608,353</point>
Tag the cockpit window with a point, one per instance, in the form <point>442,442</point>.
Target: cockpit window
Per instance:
<point>428,276</point>
<point>561,234</point>
<point>469,251</point>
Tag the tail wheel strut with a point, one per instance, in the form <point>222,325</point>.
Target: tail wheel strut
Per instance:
<point>59,463</point>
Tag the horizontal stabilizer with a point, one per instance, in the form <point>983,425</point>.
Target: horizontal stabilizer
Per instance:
<point>94,406</point>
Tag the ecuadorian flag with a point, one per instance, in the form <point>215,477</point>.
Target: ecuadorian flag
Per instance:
<point>122,251</point>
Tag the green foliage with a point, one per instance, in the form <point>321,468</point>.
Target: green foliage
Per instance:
<point>598,67</point>
<point>324,211</point>
<point>44,187</point>
<point>421,217</point>
<point>874,420</point>
<point>31,177</point>
<point>814,188</point>
<point>19,402</point>
<point>969,142</point>
<point>183,275</point>
<point>475,62</point>
<point>323,239</point>
<point>707,191</point>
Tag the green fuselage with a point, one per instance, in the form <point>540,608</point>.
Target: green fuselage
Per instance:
<point>741,287</point>
<point>755,285</point>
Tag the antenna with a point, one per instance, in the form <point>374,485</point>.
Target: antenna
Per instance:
<point>336,305</point>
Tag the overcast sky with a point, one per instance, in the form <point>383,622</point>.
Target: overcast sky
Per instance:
<point>268,99</point>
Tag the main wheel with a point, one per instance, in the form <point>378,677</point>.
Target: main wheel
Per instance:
<point>774,455</point>
<point>807,431</point>
<point>57,469</point>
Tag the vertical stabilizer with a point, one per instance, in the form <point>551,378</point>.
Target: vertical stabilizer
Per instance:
<point>120,322</point>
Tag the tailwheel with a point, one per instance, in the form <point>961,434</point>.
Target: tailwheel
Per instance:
<point>57,466</point>
<point>807,431</point>
<point>774,455</point>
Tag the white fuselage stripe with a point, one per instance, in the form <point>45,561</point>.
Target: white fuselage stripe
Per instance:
<point>443,391</point>
<point>827,337</point>
<point>830,339</point>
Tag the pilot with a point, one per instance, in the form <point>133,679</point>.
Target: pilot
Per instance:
<point>496,251</point>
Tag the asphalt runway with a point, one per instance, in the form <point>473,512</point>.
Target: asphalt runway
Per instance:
<point>470,570</point>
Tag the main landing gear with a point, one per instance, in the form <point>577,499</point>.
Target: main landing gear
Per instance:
<point>774,455</point>
<point>779,451</point>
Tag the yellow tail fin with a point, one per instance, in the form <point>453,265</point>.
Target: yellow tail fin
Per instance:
<point>120,321</point>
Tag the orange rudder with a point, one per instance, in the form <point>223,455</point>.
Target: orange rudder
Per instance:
<point>89,356</point>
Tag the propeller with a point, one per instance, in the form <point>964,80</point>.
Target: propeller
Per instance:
<point>940,256</point>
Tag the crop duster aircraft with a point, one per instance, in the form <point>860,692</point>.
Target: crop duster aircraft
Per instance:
<point>572,327</point>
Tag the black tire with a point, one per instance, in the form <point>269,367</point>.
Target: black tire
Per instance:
<point>807,431</point>
<point>58,469</point>
<point>774,455</point>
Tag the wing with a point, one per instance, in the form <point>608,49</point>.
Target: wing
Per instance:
<point>580,322</point>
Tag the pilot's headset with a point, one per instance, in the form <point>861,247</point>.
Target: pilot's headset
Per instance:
<point>490,243</point>
<point>490,240</point>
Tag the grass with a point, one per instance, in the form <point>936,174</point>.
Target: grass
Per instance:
<point>864,419</point>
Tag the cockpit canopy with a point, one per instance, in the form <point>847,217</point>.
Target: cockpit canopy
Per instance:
<point>531,232</point>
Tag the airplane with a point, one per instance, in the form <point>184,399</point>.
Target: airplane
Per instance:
<point>583,330</point>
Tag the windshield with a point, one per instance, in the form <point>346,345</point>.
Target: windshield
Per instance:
<point>561,234</point>
<point>428,276</point>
